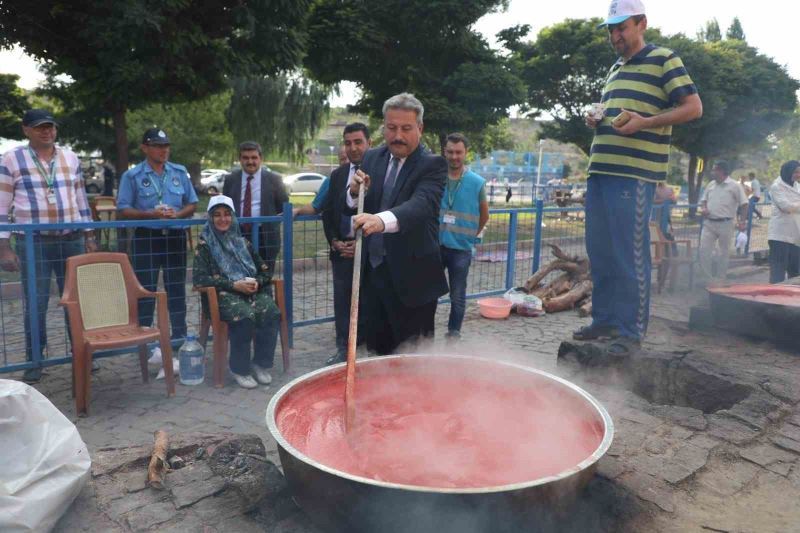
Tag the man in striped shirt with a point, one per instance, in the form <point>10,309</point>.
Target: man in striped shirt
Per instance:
<point>647,91</point>
<point>42,182</point>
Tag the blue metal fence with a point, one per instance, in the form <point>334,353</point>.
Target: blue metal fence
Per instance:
<point>514,246</point>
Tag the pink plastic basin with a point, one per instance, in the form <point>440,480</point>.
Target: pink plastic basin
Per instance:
<point>495,307</point>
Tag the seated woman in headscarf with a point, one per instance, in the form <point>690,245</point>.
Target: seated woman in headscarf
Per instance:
<point>227,261</point>
<point>784,229</point>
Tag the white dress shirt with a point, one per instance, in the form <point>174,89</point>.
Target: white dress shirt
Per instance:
<point>390,224</point>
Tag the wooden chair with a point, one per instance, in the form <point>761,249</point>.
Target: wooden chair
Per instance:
<point>668,256</point>
<point>101,296</point>
<point>220,344</point>
<point>104,206</point>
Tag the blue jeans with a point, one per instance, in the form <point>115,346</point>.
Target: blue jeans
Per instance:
<point>456,262</point>
<point>50,257</point>
<point>618,246</point>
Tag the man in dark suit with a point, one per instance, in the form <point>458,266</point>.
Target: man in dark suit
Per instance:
<point>257,192</point>
<point>403,276</point>
<point>356,143</point>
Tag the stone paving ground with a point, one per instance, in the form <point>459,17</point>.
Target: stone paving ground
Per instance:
<point>723,458</point>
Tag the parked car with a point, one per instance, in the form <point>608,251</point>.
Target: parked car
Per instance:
<point>93,181</point>
<point>303,182</point>
<point>211,180</point>
<point>92,171</point>
<point>210,171</point>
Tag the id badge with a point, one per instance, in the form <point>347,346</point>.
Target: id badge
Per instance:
<point>449,219</point>
<point>51,197</point>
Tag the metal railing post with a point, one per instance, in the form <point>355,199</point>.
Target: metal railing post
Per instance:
<point>288,252</point>
<point>750,210</point>
<point>33,298</point>
<point>537,235</point>
<point>511,262</point>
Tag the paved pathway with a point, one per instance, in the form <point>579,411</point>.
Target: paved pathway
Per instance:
<point>728,469</point>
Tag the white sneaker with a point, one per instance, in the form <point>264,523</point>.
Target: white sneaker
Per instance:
<point>155,356</point>
<point>176,368</point>
<point>246,382</point>
<point>262,375</point>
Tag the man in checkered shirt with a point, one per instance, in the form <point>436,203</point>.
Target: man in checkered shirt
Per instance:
<point>42,183</point>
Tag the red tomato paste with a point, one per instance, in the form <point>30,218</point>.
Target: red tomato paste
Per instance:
<point>445,424</point>
<point>768,294</point>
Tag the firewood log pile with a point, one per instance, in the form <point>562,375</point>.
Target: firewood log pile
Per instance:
<point>571,289</point>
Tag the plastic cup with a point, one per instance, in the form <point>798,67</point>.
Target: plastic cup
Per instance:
<point>597,111</point>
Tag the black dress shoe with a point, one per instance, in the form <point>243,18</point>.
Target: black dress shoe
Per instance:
<point>590,333</point>
<point>334,359</point>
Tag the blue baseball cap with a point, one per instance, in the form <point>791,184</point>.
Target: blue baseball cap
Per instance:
<point>35,117</point>
<point>621,10</point>
<point>155,136</point>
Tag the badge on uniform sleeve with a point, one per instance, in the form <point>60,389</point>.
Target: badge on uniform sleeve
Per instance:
<point>146,182</point>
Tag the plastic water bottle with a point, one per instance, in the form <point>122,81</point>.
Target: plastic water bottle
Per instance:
<point>192,362</point>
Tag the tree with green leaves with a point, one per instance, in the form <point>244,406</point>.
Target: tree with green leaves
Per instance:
<point>425,47</point>
<point>784,147</point>
<point>746,97</point>
<point>564,70</point>
<point>711,33</point>
<point>13,103</point>
<point>281,113</point>
<point>124,56</point>
<point>735,31</point>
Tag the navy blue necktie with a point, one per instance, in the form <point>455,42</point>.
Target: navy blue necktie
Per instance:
<point>376,249</point>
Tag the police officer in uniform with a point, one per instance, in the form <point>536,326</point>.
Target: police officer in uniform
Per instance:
<point>157,189</point>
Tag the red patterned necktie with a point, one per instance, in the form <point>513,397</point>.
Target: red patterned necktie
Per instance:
<point>247,209</point>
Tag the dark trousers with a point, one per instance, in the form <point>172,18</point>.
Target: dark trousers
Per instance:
<point>389,322</point>
<point>153,252</point>
<point>754,206</point>
<point>618,245</point>
<point>49,257</point>
<point>342,297</point>
<point>784,260</point>
<point>456,262</point>
<point>267,248</point>
<point>241,332</point>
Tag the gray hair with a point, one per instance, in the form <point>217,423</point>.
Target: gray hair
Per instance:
<point>406,102</point>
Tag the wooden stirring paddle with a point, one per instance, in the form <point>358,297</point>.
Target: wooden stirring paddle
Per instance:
<point>349,387</point>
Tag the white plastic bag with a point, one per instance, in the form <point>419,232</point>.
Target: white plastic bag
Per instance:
<point>44,463</point>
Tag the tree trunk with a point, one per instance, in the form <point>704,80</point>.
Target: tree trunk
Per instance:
<point>693,180</point>
<point>442,143</point>
<point>121,138</point>
<point>194,172</point>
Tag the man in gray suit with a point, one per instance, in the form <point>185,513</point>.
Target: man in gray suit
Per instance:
<point>257,192</point>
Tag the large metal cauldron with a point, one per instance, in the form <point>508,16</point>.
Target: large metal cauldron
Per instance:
<point>339,501</point>
<point>761,311</point>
